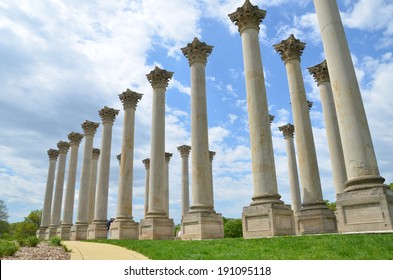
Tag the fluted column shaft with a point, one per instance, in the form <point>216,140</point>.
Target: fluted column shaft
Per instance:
<point>146,162</point>
<point>321,75</point>
<point>360,161</point>
<point>68,211</point>
<point>84,189</point>
<point>262,157</point>
<point>93,185</point>
<point>46,210</point>
<point>159,79</point>
<point>185,196</point>
<point>290,51</point>
<point>124,198</point>
<point>108,116</point>
<point>288,131</point>
<point>58,196</point>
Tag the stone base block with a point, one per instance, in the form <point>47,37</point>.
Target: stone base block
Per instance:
<point>267,219</point>
<point>202,225</point>
<point>315,220</point>
<point>78,231</point>
<point>97,230</point>
<point>41,232</point>
<point>365,210</point>
<point>64,232</point>
<point>156,229</point>
<point>50,232</point>
<point>124,229</point>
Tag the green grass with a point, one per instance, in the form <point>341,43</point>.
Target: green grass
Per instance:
<point>316,247</point>
<point>7,248</point>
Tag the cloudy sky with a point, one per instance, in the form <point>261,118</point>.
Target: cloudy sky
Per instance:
<point>62,61</point>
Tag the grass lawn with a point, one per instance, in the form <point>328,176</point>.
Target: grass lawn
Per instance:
<point>315,247</point>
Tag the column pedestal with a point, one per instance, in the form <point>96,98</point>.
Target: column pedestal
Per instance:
<point>202,225</point>
<point>64,231</point>
<point>156,229</point>
<point>41,232</point>
<point>365,210</point>
<point>78,231</point>
<point>97,230</point>
<point>267,219</point>
<point>124,229</point>
<point>314,220</point>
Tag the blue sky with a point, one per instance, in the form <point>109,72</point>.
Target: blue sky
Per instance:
<point>62,61</point>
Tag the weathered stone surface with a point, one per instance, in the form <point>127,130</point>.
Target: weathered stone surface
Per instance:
<point>202,225</point>
<point>156,229</point>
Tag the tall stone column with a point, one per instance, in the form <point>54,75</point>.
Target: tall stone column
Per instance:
<point>79,229</point>
<point>156,225</point>
<point>58,196</point>
<point>314,217</point>
<point>68,210</point>
<point>93,184</point>
<point>46,210</point>
<point>367,203</point>
<point>168,157</point>
<point>185,196</point>
<point>288,131</point>
<point>202,222</point>
<point>146,163</point>
<point>124,226</point>
<point>321,76</point>
<point>97,230</point>
<point>259,219</point>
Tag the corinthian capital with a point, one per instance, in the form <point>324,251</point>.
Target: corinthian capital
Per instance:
<point>168,157</point>
<point>146,162</point>
<point>63,147</point>
<point>290,48</point>
<point>184,150</point>
<point>130,99</point>
<point>247,16</point>
<point>159,78</point>
<point>271,118</point>
<point>108,115</point>
<point>96,153</point>
<point>53,154</point>
<point>287,130</point>
<point>320,72</point>
<point>197,51</point>
<point>75,138</point>
<point>90,128</point>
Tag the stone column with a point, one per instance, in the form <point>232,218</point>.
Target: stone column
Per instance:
<point>46,210</point>
<point>79,229</point>
<point>321,76</point>
<point>314,216</point>
<point>124,226</point>
<point>367,203</point>
<point>168,157</point>
<point>185,196</point>
<point>68,210</point>
<point>156,225</point>
<point>266,198</point>
<point>97,230</point>
<point>93,184</point>
<point>288,131</point>
<point>202,222</point>
<point>58,196</point>
<point>146,163</point>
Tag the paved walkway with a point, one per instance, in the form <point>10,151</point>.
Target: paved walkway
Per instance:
<point>99,251</point>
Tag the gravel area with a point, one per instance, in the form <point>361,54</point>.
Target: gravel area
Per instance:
<point>43,251</point>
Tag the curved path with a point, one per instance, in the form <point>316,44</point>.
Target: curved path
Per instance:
<point>99,251</point>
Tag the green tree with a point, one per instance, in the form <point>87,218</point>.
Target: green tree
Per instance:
<point>332,205</point>
<point>3,211</point>
<point>29,226</point>
<point>391,186</point>
<point>233,228</point>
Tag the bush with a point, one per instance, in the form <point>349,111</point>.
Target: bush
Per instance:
<point>6,236</point>
<point>7,248</point>
<point>55,241</point>
<point>32,241</point>
<point>22,242</point>
<point>233,228</point>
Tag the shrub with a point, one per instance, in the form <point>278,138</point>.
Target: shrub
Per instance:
<point>7,248</point>
<point>32,241</point>
<point>22,242</point>
<point>55,241</point>
<point>233,228</point>
<point>6,236</point>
